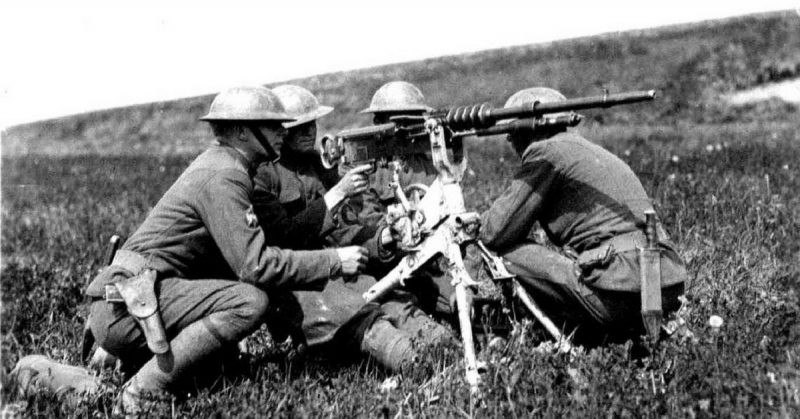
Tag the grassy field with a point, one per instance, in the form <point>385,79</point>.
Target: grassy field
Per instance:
<point>724,179</point>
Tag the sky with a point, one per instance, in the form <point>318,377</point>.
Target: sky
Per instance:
<point>59,60</point>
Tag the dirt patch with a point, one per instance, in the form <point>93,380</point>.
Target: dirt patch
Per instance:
<point>788,90</point>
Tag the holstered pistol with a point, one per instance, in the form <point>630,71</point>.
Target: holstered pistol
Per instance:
<point>139,295</point>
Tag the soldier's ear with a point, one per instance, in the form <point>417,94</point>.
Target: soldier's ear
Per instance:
<point>242,134</point>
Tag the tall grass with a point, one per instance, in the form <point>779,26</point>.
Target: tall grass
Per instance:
<point>728,194</point>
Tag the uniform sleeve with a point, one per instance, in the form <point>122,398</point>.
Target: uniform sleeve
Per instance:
<point>355,223</point>
<point>509,220</point>
<point>360,222</point>
<point>228,214</point>
<point>300,231</point>
<point>315,220</point>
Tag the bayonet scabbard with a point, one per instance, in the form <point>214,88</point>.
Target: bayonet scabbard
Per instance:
<point>650,276</point>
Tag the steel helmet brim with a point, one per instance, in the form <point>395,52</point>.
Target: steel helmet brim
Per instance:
<point>321,111</point>
<point>261,116</point>
<point>247,103</point>
<point>398,109</point>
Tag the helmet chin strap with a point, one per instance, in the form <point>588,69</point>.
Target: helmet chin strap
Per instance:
<point>271,154</point>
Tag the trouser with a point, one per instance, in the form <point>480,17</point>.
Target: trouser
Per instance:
<point>402,311</point>
<point>432,292</point>
<point>229,309</point>
<point>596,315</point>
<point>336,321</point>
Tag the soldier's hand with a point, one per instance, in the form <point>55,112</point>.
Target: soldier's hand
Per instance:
<point>405,232</point>
<point>353,259</point>
<point>353,182</point>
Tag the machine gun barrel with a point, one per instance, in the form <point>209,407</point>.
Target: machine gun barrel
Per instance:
<point>526,125</point>
<point>484,116</point>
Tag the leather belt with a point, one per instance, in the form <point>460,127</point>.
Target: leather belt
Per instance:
<point>617,244</point>
<point>130,261</point>
<point>603,254</point>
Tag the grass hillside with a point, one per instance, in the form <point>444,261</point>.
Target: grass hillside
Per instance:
<point>692,65</point>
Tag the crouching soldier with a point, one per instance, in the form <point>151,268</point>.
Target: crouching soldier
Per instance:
<point>404,104</point>
<point>300,206</point>
<point>191,281</point>
<point>592,206</point>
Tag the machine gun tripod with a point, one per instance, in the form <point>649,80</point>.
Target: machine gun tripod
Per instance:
<point>445,228</point>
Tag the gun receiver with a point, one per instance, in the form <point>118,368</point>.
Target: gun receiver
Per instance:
<point>377,144</point>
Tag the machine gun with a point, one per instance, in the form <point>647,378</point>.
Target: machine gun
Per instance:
<point>443,224</point>
<point>405,135</point>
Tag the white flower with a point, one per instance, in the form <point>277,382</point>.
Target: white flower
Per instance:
<point>785,167</point>
<point>672,177</point>
<point>709,148</point>
<point>704,404</point>
<point>719,147</point>
<point>764,343</point>
<point>627,153</point>
<point>390,384</point>
<point>675,159</point>
<point>715,321</point>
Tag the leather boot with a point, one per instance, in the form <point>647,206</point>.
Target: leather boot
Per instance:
<point>37,373</point>
<point>392,348</point>
<point>145,390</point>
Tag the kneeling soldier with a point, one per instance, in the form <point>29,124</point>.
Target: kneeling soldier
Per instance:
<point>299,204</point>
<point>191,280</point>
<point>592,206</point>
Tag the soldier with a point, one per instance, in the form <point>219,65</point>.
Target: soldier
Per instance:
<point>296,196</point>
<point>200,263</point>
<point>403,100</point>
<point>301,203</point>
<point>403,103</point>
<point>591,205</point>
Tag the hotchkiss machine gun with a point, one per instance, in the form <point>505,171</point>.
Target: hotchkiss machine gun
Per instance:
<point>442,226</point>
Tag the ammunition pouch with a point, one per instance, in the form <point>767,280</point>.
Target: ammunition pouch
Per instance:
<point>138,294</point>
<point>601,256</point>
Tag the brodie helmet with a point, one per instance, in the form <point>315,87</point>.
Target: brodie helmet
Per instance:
<point>247,104</point>
<point>300,104</point>
<point>397,96</point>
